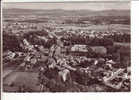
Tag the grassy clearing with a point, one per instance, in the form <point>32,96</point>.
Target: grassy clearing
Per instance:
<point>29,79</point>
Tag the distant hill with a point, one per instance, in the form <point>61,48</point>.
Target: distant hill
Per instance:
<point>60,12</point>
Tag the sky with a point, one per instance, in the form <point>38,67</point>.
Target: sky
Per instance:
<point>69,5</point>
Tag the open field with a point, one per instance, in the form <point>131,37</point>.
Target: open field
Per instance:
<point>17,79</point>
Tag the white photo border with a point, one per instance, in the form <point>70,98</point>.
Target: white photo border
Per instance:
<point>98,96</point>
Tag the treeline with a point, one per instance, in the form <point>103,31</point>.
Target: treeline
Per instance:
<point>32,38</point>
<point>13,43</point>
<point>125,20</point>
<point>120,38</point>
<point>105,41</point>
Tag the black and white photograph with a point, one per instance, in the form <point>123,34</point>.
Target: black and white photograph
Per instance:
<point>66,47</point>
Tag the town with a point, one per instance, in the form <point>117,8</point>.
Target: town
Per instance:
<point>66,53</point>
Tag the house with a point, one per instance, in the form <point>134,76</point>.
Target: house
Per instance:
<point>79,50</point>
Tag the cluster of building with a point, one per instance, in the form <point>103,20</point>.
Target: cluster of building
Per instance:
<point>69,64</point>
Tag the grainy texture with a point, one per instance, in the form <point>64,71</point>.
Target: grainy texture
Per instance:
<point>59,48</point>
